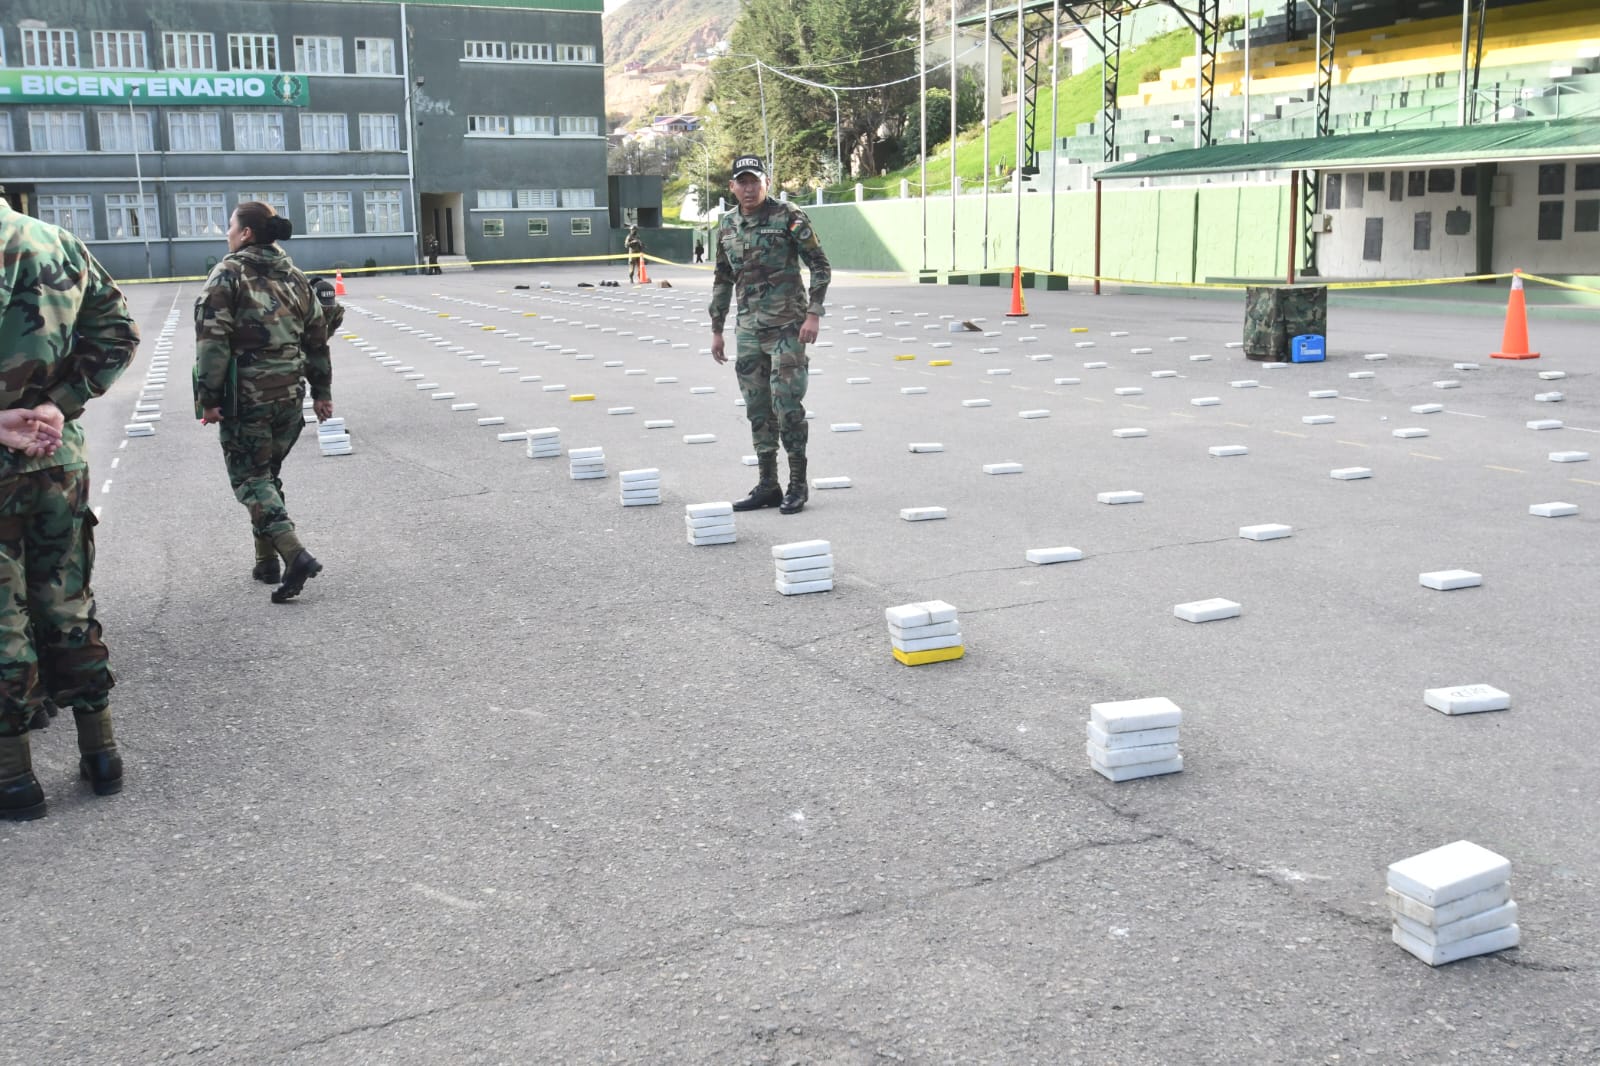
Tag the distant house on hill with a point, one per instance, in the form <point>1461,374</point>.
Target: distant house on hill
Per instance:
<point>675,124</point>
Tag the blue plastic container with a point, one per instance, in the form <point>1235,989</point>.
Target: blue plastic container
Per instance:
<point>1308,348</point>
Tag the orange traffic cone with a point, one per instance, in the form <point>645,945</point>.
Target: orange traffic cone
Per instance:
<point>1018,308</point>
<point>1514,342</point>
<point>644,272</point>
<point>338,283</point>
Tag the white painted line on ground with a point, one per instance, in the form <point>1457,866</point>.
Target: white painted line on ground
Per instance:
<point>1463,414</point>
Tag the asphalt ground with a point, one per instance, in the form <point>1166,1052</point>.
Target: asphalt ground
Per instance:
<point>523,777</point>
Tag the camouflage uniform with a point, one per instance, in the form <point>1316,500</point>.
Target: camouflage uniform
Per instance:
<point>760,253</point>
<point>635,248</point>
<point>259,313</point>
<point>65,336</point>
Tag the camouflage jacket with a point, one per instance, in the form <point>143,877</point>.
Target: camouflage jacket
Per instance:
<point>761,253</point>
<point>258,310</point>
<point>65,331</point>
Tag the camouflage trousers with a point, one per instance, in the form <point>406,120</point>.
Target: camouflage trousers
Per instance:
<point>772,367</point>
<point>50,644</point>
<point>254,445</point>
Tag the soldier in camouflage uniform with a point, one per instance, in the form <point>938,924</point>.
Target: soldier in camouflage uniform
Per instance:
<point>259,329</point>
<point>759,248</point>
<point>65,336</point>
<point>635,249</point>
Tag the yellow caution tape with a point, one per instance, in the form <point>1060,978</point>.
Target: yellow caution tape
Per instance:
<point>1561,284</point>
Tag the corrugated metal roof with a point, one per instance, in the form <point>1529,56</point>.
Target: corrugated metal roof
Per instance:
<point>1503,141</point>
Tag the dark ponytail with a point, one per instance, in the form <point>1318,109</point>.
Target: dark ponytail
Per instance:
<point>266,226</point>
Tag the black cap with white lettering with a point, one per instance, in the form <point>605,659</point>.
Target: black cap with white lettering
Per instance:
<point>749,164</point>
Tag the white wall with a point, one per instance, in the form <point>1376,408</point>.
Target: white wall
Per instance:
<point>1516,227</point>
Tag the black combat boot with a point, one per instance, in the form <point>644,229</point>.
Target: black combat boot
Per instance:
<point>21,798</point>
<point>301,569</point>
<point>795,499</point>
<point>99,762</point>
<point>767,493</point>
<point>267,570</point>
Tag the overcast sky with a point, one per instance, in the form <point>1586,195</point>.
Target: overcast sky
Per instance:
<point>612,5</point>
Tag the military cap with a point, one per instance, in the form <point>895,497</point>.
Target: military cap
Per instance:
<point>749,164</point>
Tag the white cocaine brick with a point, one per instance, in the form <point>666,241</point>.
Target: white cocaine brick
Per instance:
<point>1350,473</point>
<point>1041,357</point>
<point>940,344</point>
<point>974,403</point>
<point>1466,699</point>
<point>426,385</point>
<point>855,350</point>
<point>1038,413</point>
<point>914,390</point>
<point>1122,496</point>
<point>1466,366</point>
<point>1375,357</point>
<point>1474,925</point>
<point>544,433</point>
<point>1222,451</point>
<point>1044,556</point>
<point>492,420</point>
<point>1205,401</point>
<point>1361,375</point>
<point>531,377</point>
<point>1141,351</point>
<point>845,427</point>
<point>1555,509</point>
<point>1095,366</point>
<point>1323,394</point>
<point>1066,381</point>
<point>924,613</point>
<point>803,588</point>
<point>926,643</point>
<point>1451,384</point>
<point>1163,373</point>
<point>830,483</point>
<point>725,538</point>
<point>922,514</point>
<point>637,372</point>
<point>1133,738</point>
<point>802,555</point>
<point>919,447</point>
<point>1445,580</point>
<point>619,410</point>
<point>585,475</point>
<point>708,510</point>
<point>749,460</point>
<point>412,377</point>
<point>586,453</point>
<point>1427,408</point>
<point>858,381</point>
<point>1122,716</point>
<point>1138,770</point>
<point>140,429</point>
<point>1569,457</point>
<point>1113,758</point>
<point>1552,375</point>
<point>717,522</point>
<point>666,381</point>
<point>1130,431</point>
<point>702,390</point>
<point>641,488</point>
<point>1178,340</point>
<point>554,388</point>
<point>988,351</point>
<point>442,396</point>
<point>1084,344</point>
<point>1129,390</point>
<point>1448,873</point>
<point>1409,432</point>
<point>997,372</point>
<point>1234,344</point>
<point>1402,905</point>
<point>1545,423</point>
<point>1246,383</point>
<point>932,629</point>
<point>648,473</point>
<point>1266,531</point>
<point>651,500</point>
<point>659,423</point>
<point>699,438</point>
<point>1002,468</point>
<point>506,438</point>
<point>1207,610</point>
<point>612,363</point>
<point>1274,366</point>
<point>1317,420</point>
<point>1548,397</point>
<point>1201,358</point>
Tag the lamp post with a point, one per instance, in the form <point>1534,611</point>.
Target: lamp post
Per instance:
<point>761,90</point>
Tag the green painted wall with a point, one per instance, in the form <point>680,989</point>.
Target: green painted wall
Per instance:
<point>1170,235</point>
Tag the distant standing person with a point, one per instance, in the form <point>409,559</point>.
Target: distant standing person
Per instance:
<point>759,248</point>
<point>259,329</point>
<point>65,336</point>
<point>635,249</point>
<point>432,249</point>
<point>699,251</point>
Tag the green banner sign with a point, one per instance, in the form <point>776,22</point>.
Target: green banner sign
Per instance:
<point>120,87</point>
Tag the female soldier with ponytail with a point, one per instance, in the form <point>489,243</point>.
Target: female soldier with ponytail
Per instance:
<point>259,329</point>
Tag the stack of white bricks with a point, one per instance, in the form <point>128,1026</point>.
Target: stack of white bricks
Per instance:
<point>709,523</point>
<point>1452,903</point>
<point>926,632</point>
<point>332,437</point>
<point>586,463</point>
<point>641,488</point>
<point>544,443</point>
<point>1129,739</point>
<point>804,566</point>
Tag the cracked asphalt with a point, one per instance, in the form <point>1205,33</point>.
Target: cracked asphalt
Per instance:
<point>523,777</point>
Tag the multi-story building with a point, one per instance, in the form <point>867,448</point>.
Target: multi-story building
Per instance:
<point>376,126</point>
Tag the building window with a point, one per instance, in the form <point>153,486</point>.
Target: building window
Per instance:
<point>119,50</point>
<point>374,55</point>
<point>379,133</point>
<point>325,132</point>
<point>319,55</point>
<point>56,131</point>
<point>328,212</point>
<point>575,53</point>
<point>1469,181</point>
<point>130,217</point>
<point>122,132</point>
<point>1442,180</point>
<point>188,51</point>
<point>1397,186</point>
<point>1552,180</point>
<point>1331,190</point>
<point>258,131</point>
<point>385,213</point>
<point>577,197</point>
<point>1586,216</point>
<point>494,199</point>
<point>1422,231</point>
<point>581,227</point>
<point>1552,219</point>
<point>579,125</point>
<point>1375,181</point>
<point>1585,177</point>
<point>535,199</point>
<point>1372,241</point>
<point>194,131</point>
<point>252,51</point>
<point>533,126</point>
<point>523,52</point>
<point>49,48</point>
<point>1355,190</point>
<point>7,144</point>
<point>200,214</point>
<point>483,50</point>
<point>494,227</point>
<point>488,125</point>
<point>538,227</point>
<point>69,212</point>
<point>278,201</point>
<point>1416,183</point>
